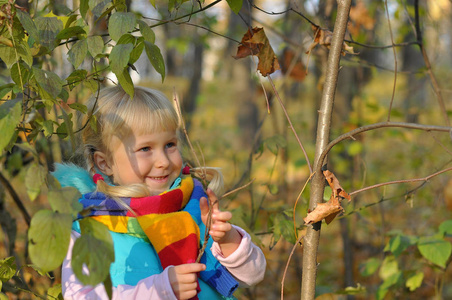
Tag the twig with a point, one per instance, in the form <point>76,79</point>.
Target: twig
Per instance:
<point>287,265</point>
<point>290,123</point>
<point>237,189</point>
<point>356,131</point>
<point>425,179</point>
<point>16,199</point>
<point>395,61</point>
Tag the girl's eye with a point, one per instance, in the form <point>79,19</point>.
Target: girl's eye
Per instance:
<point>145,149</point>
<point>171,145</point>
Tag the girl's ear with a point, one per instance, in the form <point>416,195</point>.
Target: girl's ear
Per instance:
<point>101,162</point>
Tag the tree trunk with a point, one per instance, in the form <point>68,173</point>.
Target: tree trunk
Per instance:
<point>311,240</point>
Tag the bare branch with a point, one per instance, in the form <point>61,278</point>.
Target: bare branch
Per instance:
<point>350,134</point>
<point>401,181</point>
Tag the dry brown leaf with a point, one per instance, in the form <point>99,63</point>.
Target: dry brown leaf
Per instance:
<point>255,42</point>
<point>323,37</point>
<point>335,185</point>
<point>327,211</point>
<point>297,68</point>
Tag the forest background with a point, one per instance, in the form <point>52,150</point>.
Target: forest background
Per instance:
<point>258,104</point>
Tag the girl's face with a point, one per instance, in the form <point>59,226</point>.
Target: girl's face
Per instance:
<point>153,159</point>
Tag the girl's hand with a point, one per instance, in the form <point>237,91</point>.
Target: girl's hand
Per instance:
<point>221,230</point>
<point>184,279</point>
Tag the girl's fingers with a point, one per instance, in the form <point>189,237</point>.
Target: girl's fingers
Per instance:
<point>213,200</point>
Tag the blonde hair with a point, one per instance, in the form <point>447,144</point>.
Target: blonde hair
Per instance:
<point>114,113</point>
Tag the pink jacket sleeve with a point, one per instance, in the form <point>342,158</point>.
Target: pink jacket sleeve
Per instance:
<point>152,287</point>
<point>247,264</point>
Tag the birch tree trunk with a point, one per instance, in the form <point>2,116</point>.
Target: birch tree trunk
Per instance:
<point>311,240</point>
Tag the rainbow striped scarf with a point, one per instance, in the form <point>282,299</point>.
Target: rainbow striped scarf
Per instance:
<point>159,219</point>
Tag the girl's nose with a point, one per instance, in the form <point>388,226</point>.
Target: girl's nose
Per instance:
<point>161,160</point>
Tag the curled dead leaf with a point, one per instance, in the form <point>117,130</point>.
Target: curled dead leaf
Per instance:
<point>324,37</point>
<point>335,185</point>
<point>256,43</point>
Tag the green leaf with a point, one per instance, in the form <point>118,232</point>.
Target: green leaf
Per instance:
<point>10,116</point>
<point>146,31</point>
<point>435,250</point>
<point>397,244</point>
<point>65,200</point>
<point>126,82</point>
<point>136,52</point>
<point>414,281</point>
<point>28,24</point>
<point>77,53</point>
<point>93,249</point>
<point>24,51</point>
<point>34,180</point>
<point>369,267</point>
<point>48,81</point>
<point>235,5</point>
<point>156,58</point>
<point>48,29</point>
<point>446,227</point>
<point>79,107</point>
<point>127,38</point>
<point>70,32</point>
<point>282,226</point>
<point>389,267</point>
<point>95,45</point>
<point>84,6</point>
<point>47,126</point>
<point>119,57</point>
<point>98,7</point>
<point>55,292</point>
<point>48,238</point>
<point>121,23</point>
<point>8,55</point>
<point>7,268</point>
<point>20,73</point>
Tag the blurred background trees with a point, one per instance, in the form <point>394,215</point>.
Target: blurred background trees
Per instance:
<point>391,242</point>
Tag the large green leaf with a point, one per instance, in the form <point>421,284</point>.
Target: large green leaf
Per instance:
<point>121,23</point>
<point>95,45</point>
<point>93,249</point>
<point>435,250</point>
<point>20,73</point>
<point>10,113</point>
<point>48,238</point>
<point>397,244</point>
<point>235,5</point>
<point>34,180</point>
<point>137,51</point>
<point>65,200</point>
<point>77,53</point>
<point>126,82</point>
<point>146,31</point>
<point>70,32</point>
<point>446,227</point>
<point>98,7</point>
<point>28,24</point>
<point>48,29</point>
<point>119,57</point>
<point>414,281</point>
<point>8,55</point>
<point>155,57</point>
<point>48,81</point>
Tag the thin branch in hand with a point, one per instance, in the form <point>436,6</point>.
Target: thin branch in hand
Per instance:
<point>395,61</point>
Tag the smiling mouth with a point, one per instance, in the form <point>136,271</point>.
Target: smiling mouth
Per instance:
<point>159,178</point>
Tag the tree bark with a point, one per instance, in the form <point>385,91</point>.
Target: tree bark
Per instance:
<point>311,240</point>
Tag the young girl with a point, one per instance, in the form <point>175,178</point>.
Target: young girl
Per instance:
<point>156,212</point>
